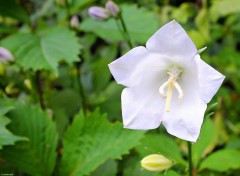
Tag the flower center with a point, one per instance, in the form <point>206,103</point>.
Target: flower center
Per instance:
<point>174,73</point>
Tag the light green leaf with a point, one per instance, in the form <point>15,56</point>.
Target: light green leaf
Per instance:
<point>45,50</point>
<point>222,161</point>
<point>92,140</point>
<point>38,155</point>
<point>136,21</point>
<point>224,7</point>
<point>184,12</point>
<point>171,173</point>
<point>205,143</point>
<point>156,143</point>
<point>76,5</point>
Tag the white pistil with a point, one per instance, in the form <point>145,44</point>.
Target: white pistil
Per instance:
<point>169,96</point>
<point>171,83</point>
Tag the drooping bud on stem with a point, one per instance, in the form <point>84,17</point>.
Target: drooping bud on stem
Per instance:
<point>98,13</point>
<point>112,8</point>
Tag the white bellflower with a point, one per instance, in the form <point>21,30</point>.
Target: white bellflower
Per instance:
<point>166,82</point>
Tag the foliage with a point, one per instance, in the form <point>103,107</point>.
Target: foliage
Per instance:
<point>60,109</point>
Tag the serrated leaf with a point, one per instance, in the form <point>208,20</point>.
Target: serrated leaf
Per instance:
<point>45,50</point>
<point>136,21</point>
<point>92,140</point>
<point>38,155</point>
<point>156,143</point>
<point>222,160</point>
<point>6,137</point>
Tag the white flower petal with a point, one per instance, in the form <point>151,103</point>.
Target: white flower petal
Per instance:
<point>141,107</point>
<point>173,41</point>
<point>137,66</point>
<point>123,68</point>
<point>210,79</point>
<point>185,121</point>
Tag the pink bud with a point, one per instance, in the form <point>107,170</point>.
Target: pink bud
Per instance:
<point>98,13</point>
<point>5,55</point>
<point>74,21</point>
<point>112,8</point>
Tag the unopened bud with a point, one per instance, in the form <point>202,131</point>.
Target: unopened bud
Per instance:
<point>5,55</point>
<point>112,8</point>
<point>98,13</point>
<point>28,84</point>
<point>74,21</point>
<point>156,162</point>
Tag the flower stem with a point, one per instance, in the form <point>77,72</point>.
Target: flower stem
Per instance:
<point>127,36</point>
<point>190,158</point>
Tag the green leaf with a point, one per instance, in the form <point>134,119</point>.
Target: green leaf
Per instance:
<point>185,11</point>
<point>111,95</point>
<point>45,50</point>
<point>171,173</point>
<point>132,167</point>
<point>11,9</point>
<point>76,5</point>
<point>38,155</point>
<point>156,143</point>
<point>6,137</point>
<point>136,21</point>
<point>206,142</point>
<point>108,168</point>
<point>100,65</point>
<point>92,140</point>
<point>222,160</point>
<point>223,8</point>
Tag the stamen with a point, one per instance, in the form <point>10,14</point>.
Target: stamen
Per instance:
<point>161,89</point>
<point>180,91</point>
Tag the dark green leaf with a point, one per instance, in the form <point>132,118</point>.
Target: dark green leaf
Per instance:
<point>11,9</point>
<point>38,155</point>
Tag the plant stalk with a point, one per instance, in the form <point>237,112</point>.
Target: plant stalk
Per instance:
<point>190,169</point>
<point>127,36</point>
